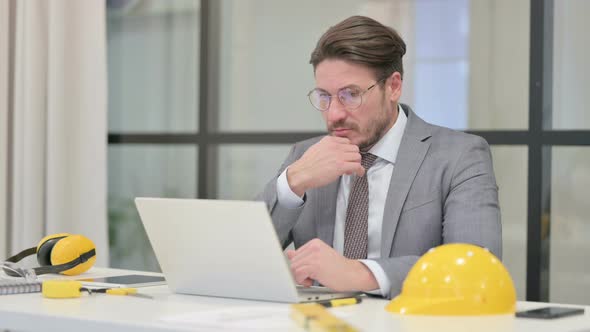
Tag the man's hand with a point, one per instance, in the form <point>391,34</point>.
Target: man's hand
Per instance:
<point>318,261</point>
<point>323,163</point>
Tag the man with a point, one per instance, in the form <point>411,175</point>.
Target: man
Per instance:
<point>363,203</point>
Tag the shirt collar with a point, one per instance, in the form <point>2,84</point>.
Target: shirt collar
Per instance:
<point>388,146</point>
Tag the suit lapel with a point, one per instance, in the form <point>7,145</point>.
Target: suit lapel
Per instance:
<point>412,150</point>
<point>326,211</point>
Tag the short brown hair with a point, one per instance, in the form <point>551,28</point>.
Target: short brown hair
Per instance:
<point>364,41</point>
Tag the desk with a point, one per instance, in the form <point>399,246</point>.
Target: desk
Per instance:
<point>31,312</point>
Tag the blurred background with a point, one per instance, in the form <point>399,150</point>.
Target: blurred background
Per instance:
<point>206,97</point>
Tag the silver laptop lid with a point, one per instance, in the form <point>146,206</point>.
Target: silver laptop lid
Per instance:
<point>218,248</point>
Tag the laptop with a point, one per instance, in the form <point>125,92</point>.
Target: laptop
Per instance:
<point>224,249</point>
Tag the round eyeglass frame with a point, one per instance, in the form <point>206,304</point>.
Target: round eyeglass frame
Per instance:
<point>348,107</point>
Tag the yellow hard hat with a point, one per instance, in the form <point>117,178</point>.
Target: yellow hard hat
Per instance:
<point>456,279</point>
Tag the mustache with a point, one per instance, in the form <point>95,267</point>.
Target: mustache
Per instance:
<point>342,124</point>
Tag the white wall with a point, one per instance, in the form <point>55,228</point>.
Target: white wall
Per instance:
<point>3,121</point>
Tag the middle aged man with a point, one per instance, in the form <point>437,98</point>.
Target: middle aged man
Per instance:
<point>363,203</point>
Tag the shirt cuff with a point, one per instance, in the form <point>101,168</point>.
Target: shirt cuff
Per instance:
<point>380,276</point>
<point>287,198</point>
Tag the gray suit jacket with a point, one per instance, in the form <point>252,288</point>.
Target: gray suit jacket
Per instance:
<point>442,190</point>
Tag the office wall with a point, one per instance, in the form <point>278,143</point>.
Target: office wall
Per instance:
<point>4,66</point>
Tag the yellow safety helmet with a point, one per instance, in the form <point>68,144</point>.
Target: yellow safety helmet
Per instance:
<point>456,279</point>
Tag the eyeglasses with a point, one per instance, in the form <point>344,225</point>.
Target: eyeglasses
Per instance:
<point>351,97</point>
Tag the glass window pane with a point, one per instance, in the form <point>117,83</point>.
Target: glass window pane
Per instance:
<point>265,73</point>
<point>466,64</point>
<point>571,70</point>
<point>511,169</point>
<point>431,94</point>
<point>445,25</point>
<point>153,58</point>
<point>143,170</point>
<point>245,169</point>
<point>498,95</point>
<point>570,185</point>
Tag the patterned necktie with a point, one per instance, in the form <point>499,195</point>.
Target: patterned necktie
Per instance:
<point>356,236</point>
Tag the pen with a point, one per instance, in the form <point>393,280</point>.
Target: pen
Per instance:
<point>340,302</point>
<point>121,291</point>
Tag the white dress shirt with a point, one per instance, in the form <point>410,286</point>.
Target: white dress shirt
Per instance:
<point>379,176</point>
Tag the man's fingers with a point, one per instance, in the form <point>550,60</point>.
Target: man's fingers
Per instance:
<point>301,274</point>
<point>337,139</point>
<point>360,171</point>
<point>352,156</point>
<point>291,254</point>
<point>350,148</point>
<point>313,243</point>
<point>353,168</point>
<point>302,253</point>
<point>301,257</point>
<point>307,282</point>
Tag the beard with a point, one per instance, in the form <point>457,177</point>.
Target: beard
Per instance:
<point>373,132</point>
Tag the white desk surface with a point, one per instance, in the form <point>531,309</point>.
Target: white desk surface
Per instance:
<point>32,312</point>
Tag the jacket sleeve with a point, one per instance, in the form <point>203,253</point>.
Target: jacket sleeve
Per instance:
<point>471,209</point>
<point>283,219</point>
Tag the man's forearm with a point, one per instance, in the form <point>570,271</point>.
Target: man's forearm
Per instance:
<point>365,281</point>
<point>396,269</point>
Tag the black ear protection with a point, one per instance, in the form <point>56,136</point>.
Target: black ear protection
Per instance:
<point>59,253</point>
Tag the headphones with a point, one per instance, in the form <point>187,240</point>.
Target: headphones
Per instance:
<point>59,253</point>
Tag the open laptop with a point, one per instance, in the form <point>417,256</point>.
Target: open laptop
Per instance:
<point>222,248</point>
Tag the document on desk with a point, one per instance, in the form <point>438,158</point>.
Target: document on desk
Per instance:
<point>236,318</point>
<point>243,318</point>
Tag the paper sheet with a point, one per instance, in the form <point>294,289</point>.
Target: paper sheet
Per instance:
<point>236,318</point>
